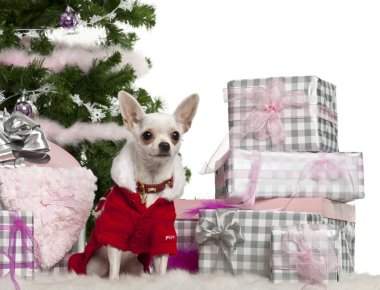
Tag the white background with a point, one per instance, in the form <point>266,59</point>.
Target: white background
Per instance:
<point>197,46</point>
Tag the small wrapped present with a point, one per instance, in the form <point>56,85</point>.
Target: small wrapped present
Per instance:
<point>21,139</point>
<point>283,114</point>
<point>246,175</point>
<point>306,253</point>
<point>19,251</point>
<point>61,200</point>
<point>237,241</point>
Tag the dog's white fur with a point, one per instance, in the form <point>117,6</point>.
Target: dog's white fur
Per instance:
<point>146,162</point>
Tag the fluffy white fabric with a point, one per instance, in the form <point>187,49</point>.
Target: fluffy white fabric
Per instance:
<point>183,281</point>
<point>60,199</point>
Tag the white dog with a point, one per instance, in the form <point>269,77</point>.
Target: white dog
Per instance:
<point>148,169</point>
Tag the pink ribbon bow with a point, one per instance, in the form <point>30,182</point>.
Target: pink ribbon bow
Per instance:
<point>264,121</point>
<point>18,225</point>
<point>324,168</point>
<point>310,266</point>
<point>311,262</point>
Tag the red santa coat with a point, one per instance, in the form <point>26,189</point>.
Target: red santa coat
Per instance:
<point>128,225</point>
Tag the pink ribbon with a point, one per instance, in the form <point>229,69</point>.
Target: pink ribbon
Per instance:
<point>264,121</point>
<point>18,225</point>
<point>324,168</point>
<point>249,196</point>
<point>310,261</point>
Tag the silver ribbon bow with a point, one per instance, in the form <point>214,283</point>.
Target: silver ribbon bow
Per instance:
<point>21,138</point>
<point>226,233</point>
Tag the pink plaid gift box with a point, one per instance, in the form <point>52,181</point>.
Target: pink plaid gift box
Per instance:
<point>19,251</point>
<point>246,175</point>
<point>292,114</point>
<point>307,252</point>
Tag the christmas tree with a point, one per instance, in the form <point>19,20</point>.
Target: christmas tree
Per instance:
<point>43,64</point>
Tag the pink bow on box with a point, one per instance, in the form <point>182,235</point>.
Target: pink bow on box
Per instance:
<point>18,225</point>
<point>264,121</point>
<point>309,251</point>
<point>324,168</point>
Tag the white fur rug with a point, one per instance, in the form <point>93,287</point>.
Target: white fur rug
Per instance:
<point>182,281</point>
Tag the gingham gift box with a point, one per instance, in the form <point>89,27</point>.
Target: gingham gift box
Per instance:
<point>61,266</point>
<point>306,253</point>
<point>251,253</point>
<point>245,175</point>
<point>282,114</point>
<point>17,245</point>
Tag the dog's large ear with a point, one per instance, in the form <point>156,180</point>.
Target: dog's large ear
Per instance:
<point>130,109</point>
<point>186,110</point>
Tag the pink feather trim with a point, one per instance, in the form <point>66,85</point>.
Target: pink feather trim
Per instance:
<point>207,204</point>
<point>74,56</point>
<point>82,132</point>
<point>185,260</point>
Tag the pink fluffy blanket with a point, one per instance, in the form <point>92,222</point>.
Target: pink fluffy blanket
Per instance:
<point>60,199</point>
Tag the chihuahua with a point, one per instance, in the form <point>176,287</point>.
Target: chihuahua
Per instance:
<point>148,160</point>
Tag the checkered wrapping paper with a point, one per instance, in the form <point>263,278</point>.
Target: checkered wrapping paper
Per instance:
<point>6,220</point>
<point>307,129</point>
<point>185,233</point>
<point>346,237</point>
<point>253,254</point>
<point>279,173</point>
<point>187,257</point>
<point>287,244</point>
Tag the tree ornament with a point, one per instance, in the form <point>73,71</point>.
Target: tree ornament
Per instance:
<point>68,19</point>
<point>24,107</point>
<point>34,110</point>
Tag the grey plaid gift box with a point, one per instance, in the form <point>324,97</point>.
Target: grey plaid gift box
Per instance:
<point>283,114</point>
<point>346,240</point>
<point>16,230</point>
<point>60,267</point>
<point>253,253</point>
<point>185,229</point>
<point>304,253</point>
<point>245,174</point>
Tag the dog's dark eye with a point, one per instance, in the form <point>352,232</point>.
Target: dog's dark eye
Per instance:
<point>147,135</point>
<point>175,136</point>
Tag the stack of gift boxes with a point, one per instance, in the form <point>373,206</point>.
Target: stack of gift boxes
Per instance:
<point>40,220</point>
<point>283,187</point>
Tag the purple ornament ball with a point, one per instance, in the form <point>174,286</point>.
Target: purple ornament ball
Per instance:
<point>67,19</point>
<point>24,108</point>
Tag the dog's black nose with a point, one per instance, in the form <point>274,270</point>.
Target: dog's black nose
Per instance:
<point>164,146</point>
